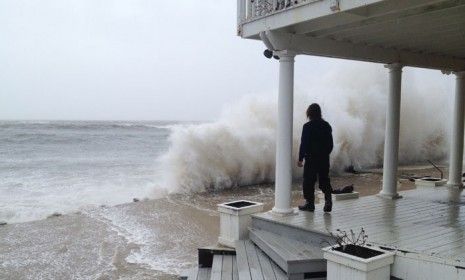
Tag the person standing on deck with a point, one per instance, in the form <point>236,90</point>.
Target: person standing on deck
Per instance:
<point>315,146</point>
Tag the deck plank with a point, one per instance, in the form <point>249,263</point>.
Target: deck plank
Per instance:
<point>265,264</point>
<point>242,261</point>
<point>278,272</point>
<point>235,274</point>
<point>254,264</point>
<point>193,273</point>
<point>217,267</point>
<point>453,251</point>
<point>227,271</point>
<point>383,214</point>
<point>204,274</point>
<point>425,237</point>
<point>355,221</point>
<point>447,244</point>
<point>459,255</point>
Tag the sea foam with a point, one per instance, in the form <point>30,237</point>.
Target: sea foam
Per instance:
<point>239,148</point>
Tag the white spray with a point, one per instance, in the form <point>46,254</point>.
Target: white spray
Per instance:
<point>239,148</point>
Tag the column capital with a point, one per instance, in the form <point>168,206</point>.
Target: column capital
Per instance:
<point>285,55</point>
<point>459,74</point>
<point>394,66</point>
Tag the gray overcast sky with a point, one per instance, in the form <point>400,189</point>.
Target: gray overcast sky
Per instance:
<point>132,59</point>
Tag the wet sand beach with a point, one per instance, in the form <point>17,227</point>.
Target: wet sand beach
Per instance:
<point>149,239</point>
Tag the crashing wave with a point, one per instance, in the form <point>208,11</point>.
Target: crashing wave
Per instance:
<point>239,148</point>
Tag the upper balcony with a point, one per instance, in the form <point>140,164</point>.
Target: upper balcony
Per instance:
<point>420,33</point>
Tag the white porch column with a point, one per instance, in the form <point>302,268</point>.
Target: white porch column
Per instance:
<point>456,147</point>
<point>391,138</point>
<point>282,203</point>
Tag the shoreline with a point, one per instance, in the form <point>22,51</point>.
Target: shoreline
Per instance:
<point>424,170</point>
<point>141,240</point>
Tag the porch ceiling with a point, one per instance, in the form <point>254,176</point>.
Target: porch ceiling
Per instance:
<point>407,31</point>
<point>435,31</point>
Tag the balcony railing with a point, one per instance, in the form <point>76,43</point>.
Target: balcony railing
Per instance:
<point>249,9</point>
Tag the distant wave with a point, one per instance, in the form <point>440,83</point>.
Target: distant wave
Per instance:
<point>73,125</point>
<point>239,149</point>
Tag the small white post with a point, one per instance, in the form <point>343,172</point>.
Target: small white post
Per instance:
<point>275,5</point>
<point>456,149</point>
<point>259,8</point>
<point>254,8</point>
<point>284,134</point>
<point>249,9</point>
<point>391,142</point>
<point>240,11</point>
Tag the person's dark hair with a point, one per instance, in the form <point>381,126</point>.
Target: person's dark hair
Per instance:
<point>314,112</point>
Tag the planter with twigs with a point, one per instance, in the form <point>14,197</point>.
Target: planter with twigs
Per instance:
<point>352,259</point>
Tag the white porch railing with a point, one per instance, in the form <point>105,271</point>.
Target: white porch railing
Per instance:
<point>248,9</point>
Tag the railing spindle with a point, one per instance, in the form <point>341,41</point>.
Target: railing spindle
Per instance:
<point>241,12</point>
<point>249,9</point>
<point>254,8</point>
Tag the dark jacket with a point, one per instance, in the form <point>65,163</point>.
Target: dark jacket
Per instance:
<point>317,140</point>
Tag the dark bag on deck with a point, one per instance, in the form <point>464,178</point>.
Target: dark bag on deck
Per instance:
<point>346,189</point>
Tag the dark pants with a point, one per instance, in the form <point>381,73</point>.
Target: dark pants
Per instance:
<point>316,168</point>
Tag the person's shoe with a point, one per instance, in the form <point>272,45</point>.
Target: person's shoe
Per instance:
<point>328,201</point>
<point>307,207</point>
<point>328,206</point>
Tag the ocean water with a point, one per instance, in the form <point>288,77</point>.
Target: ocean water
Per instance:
<point>81,168</point>
<point>66,166</point>
<point>48,167</point>
<point>69,167</point>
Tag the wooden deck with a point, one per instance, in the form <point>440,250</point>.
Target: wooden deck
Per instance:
<point>249,263</point>
<point>425,228</point>
<point>254,264</point>
<point>427,221</point>
<point>224,268</point>
<point>298,259</point>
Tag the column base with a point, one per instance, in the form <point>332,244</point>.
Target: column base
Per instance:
<point>455,185</point>
<point>283,212</point>
<point>389,195</point>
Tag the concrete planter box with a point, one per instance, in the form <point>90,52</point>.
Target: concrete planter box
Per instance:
<point>341,265</point>
<point>235,220</point>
